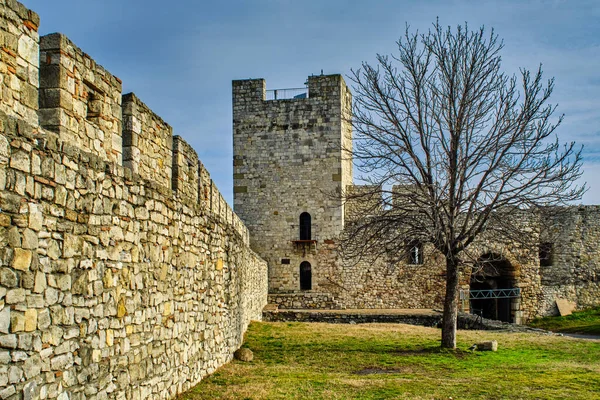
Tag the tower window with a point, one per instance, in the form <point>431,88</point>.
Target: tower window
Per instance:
<point>415,252</point>
<point>305,233</point>
<point>305,276</point>
<point>546,254</point>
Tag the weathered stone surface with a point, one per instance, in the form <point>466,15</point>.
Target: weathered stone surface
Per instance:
<point>30,390</point>
<point>7,392</point>
<point>243,354</point>
<point>8,341</point>
<point>5,320</point>
<point>119,287</point>
<point>15,296</point>
<point>487,346</point>
<point>31,321</point>
<point>17,322</point>
<point>8,278</point>
<point>14,374</point>
<point>22,259</point>
<point>565,307</point>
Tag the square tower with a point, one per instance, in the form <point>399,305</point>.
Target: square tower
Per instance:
<point>290,167</point>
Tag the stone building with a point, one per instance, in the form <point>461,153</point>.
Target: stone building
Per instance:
<point>289,172</point>
<point>288,176</point>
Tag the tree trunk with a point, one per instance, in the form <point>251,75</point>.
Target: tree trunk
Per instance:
<point>450,306</point>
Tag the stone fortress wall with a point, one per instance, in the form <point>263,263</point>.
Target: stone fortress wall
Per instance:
<point>288,157</point>
<point>575,271</point>
<point>123,272</point>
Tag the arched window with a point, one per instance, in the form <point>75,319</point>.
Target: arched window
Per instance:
<point>305,226</point>
<point>305,276</point>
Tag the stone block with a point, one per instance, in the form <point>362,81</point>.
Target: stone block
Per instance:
<point>8,278</point>
<point>17,323</point>
<point>5,320</point>
<point>7,392</point>
<point>21,161</point>
<point>565,307</point>
<point>44,320</point>
<point>29,96</point>
<point>243,354</point>
<point>15,296</point>
<point>31,320</point>
<point>22,259</point>
<point>53,41</point>
<point>491,345</point>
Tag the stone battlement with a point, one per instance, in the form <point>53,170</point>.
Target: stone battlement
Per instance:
<point>82,102</point>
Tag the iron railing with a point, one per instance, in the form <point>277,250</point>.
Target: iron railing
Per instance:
<point>292,93</point>
<point>490,294</point>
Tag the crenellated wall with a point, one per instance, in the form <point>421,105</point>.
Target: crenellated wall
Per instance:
<point>120,278</point>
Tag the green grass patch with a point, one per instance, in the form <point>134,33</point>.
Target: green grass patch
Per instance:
<point>586,322</point>
<point>395,361</point>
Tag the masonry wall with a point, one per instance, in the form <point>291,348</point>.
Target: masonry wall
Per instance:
<point>288,160</point>
<point>575,271</point>
<point>19,61</point>
<point>112,285</point>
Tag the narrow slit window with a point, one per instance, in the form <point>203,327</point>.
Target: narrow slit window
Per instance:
<point>415,252</point>
<point>546,254</point>
<point>95,100</point>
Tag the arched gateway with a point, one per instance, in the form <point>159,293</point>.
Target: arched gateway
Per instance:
<point>493,294</point>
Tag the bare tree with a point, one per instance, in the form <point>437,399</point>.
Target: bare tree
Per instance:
<point>450,144</point>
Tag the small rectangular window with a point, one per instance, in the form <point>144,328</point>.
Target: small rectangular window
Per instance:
<point>546,254</point>
<point>285,260</point>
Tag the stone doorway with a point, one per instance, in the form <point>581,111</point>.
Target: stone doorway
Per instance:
<point>305,276</point>
<point>491,273</point>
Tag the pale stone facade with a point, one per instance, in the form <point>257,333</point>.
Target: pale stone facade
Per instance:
<point>287,161</point>
<point>116,281</point>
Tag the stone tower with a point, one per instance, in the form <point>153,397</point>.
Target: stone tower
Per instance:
<point>289,168</point>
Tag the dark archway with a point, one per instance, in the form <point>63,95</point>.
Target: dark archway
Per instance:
<point>305,231</point>
<point>305,276</point>
<point>492,272</point>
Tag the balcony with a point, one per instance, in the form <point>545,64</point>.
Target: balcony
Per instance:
<point>287,94</point>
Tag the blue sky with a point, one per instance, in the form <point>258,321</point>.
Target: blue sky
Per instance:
<point>180,56</point>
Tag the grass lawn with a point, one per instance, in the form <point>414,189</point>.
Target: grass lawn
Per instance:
<point>395,361</point>
<point>586,321</point>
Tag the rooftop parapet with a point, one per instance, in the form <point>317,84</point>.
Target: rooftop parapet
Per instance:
<point>79,99</point>
<point>250,92</point>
